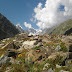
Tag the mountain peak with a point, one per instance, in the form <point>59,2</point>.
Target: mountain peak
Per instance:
<point>7,29</point>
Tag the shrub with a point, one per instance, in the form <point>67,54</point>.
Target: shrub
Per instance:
<point>53,62</point>
<point>63,47</point>
<point>59,59</point>
<point>35,68</point>
<point>36,47</point>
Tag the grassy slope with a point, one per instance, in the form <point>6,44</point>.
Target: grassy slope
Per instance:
<point>61,29</point>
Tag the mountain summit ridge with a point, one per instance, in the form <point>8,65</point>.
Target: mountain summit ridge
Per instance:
<point>7,29</point>
<point>60,29</point>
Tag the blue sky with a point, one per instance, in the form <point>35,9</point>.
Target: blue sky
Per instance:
<point>19,11</point>
<point>47,13</point>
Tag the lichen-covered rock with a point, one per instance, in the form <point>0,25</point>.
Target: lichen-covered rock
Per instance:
<point>58,66</point>
<point>1,45</point>
<point>51,70</point>
<point>65,55</point>
<point>32,56</point>
<point>14,61</point>
<point>29,44</point>
<point>58,48</point>
<point>10,45</point>
<point>46,66</point>
<point>4,59</point>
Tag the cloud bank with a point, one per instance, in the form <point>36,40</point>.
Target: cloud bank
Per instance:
<point>54,12</point>
<point>27,25</point>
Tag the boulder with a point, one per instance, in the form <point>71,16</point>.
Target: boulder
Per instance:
<point>58,48</point>
<point>46,51</point>
<point>1,45</point>
<point>36,38</point>
<point>20,49</point>
<point>28,44</point>
<point>4,59</point>
<point>10,46</point>
<point>53,55</point>
<point>51,70</point>
<point>46,40</point>
<point>6,46</point>
<point>10,53</point>
<point>58,66</point>
<point>14,61</point>
<point>46,66</point>
<point>32,56</point>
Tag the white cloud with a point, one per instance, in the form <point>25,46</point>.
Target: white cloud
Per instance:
<point>27,25</point>
<point>40,5</point>
<point>31,19</point>
<point>50,15</point>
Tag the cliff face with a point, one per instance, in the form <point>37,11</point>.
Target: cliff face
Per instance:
<point>7,29</point>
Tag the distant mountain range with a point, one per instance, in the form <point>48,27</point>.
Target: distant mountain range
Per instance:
<point>7,29</point>
<point>19,28</point>
<point>32,30</point>
<point>64,28</point>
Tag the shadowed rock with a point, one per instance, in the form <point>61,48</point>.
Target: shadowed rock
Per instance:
<point>68,32</point>
<point>7,29</point>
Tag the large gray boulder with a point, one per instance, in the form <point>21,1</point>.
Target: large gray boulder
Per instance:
<point>51,70</point>
<point>4,59</point>
<point>28,44</point>
<point>58,48</point>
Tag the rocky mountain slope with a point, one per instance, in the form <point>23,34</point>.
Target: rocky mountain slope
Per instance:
<point>29,31</point>
<point>19,28</point>
<point>61,29</point>
<point>7,29</point>
<point>40,53</point>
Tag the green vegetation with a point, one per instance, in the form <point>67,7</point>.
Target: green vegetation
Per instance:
<point>62,68</point>
<point>34,59</point>
<point>36,47</point>
<point>48,44</point>
<point>57,41</point>
<point>4,66</point>
<point>58,60</point>
<point>63,47</point>
<point>35,67</point>
<point>60,29</point>
<point>17,68</point>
